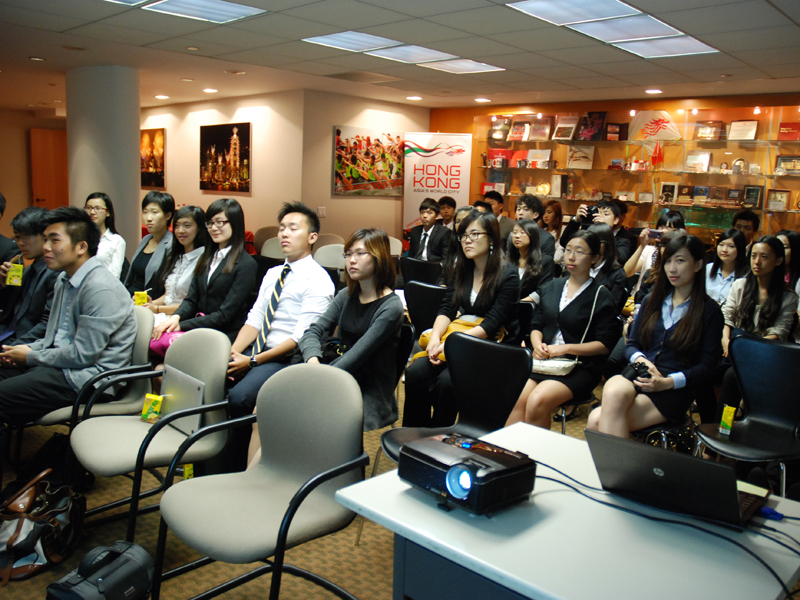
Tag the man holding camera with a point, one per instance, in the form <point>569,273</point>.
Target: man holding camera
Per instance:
<point>606,211</point>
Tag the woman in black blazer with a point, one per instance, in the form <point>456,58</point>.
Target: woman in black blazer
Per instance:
<point>225,277</point>
<point>535,268</point>
<point>609,273</point>
<point>676,335</point>
<point>563,316</point>
<point>484,285</point>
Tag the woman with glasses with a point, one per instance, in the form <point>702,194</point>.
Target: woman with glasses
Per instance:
<point>111,250</point>
<point>484,285</point>
<point>535,268</point>
<point>673,347</point>
<point>369,316</point>
<point>224,279</point>
<point>157,211</point>
<point>576,319</point>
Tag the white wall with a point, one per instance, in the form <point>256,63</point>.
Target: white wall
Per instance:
<point>322,112</point>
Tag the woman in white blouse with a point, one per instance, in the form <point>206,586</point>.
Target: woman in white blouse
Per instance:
<point>111,250</point>
<point>189,230</point>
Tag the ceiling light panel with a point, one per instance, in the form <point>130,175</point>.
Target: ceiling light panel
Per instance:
<point>624,29</point>
<point>411,54</point>
<point>353,41</point>
<point>559,12</point>
<point>127,2</point>
<point>214,11</point>
<point>661,48</point>
<point>461,66</point>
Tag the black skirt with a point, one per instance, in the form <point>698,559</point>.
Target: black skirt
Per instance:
<point>581,381</point>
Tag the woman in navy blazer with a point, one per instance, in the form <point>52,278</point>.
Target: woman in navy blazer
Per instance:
<point>157,211</point>
<point>677,336</point>
<point>225,277</point>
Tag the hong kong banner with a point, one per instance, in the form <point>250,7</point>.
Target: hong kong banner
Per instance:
<point>436,165</point>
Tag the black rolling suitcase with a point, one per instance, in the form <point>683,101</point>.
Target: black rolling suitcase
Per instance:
<point>122,572</point>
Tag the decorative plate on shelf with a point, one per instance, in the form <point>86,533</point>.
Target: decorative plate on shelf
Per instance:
<point>543,189</point>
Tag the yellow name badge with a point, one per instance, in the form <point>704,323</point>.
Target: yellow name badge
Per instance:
<point>152,408</point>
<point>139,298</point>
<point>14,275</point>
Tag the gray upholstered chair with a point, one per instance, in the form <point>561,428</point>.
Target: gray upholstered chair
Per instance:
<point>117,445</point>
<point>272,248</point>
<point>310,427</point>
<point>326,239</point>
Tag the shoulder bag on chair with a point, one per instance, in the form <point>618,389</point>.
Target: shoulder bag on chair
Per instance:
<point>561,366</point>
<point>462,324</point>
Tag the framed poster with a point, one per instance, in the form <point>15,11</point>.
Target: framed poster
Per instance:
<point>152,146</point>
<point>790,163</point>
<point>369,162</point>
<point>225,157</point>
<point>616,132</point>
<point>697,161</point>
<point>668,192</point>
<point>565,128</point>
<point>580,157</point>
<point>592,127</point>
<point>685,193</point>
<point>751,196</point>
<point>707,130</point>
<point>743,130</point>
<point>540,129</point>
<point>778,199</point>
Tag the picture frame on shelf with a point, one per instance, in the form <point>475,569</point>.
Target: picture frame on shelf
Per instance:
<point>717,194</point>
<point>698,161</point>
<point>743,130</point>
<point>668,192</point>
<point>518,131</point>
<point>580,156</point>
<point>625,196</point>
<point>789,162</point>
<point>565,127</point>
<point>152,152</point>
<point>751,196</point>
<point>789,132</point>
<point>701,193</point>
<point>616,132</point>
<point>499,131</point>
<point>705,131</point>
<point>685,193</point>
<point>645,198</point>
<point>779,199</point>
<point>540,129</point>
<point>735,194</point>
<point>592,127</point>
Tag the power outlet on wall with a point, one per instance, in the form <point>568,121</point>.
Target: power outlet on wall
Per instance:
<point>322,212</point>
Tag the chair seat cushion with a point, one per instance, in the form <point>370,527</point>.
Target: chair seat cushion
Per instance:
<point>261,495</point>
<point>108,446</point>
<point>751,441</point>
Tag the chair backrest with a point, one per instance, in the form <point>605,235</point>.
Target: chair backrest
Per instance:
<point>262,235</point>
<point>145,320</point>
<point>395,246</point>
<point>764,369</point>
<point>326,239</point>
<point>487,378</point>
<point>272,248</point>
<point>312,422</point>
<point>414,269</point>
<point>423,301</point>
<point>204,354</point>
<point>330,256</point>
<point>407,338</point>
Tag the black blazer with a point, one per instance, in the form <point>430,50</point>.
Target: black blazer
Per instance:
<point>615,283</point>
<point>572,321</point>
<point>547,243</point>
<point>624,246</point>
<point>438,242</point>
<point>35,305</point>
<point>224,300</point>
<point>8,249</point>
<point>528,285</point>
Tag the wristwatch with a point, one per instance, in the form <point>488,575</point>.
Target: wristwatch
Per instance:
<point>253,362</point>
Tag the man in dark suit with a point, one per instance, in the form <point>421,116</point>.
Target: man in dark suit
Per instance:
<point>530,207</point>
<point>497,202</point>
<point>430,240</point>
<point>28,305</point>
<point>8,248</point>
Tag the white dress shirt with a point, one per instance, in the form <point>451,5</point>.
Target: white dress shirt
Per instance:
<point>178,281</point>
<point>219,256</point>
<point>307,292</point>
<point>111,252</point>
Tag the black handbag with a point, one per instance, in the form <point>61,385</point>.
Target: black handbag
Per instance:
<point>122,572</point>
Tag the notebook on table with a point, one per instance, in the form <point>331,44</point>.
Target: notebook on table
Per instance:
<point>673,481</point>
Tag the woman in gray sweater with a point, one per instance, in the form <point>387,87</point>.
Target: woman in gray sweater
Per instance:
<point>369,317</point>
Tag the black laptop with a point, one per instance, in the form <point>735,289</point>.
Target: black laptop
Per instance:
<point>673,481</point>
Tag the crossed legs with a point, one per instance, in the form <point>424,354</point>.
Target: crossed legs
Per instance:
<point>623,410</point>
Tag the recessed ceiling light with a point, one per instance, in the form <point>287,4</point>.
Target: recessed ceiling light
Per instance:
<point>460,66</point>
<point>352,41</point>
<point>210,91</point>
<point>694,111</point>
<point>31,105</point>
<point>413,97</point>
<point>36,59</point>
<point>214,11</point>
<point>483,100</point>
<point>680,111</point>
<point>559,12</point>
<point>661,48</point>
<point>232,72</point>
<point>633,113</point>
<point>639,27</point>
<point>538,115</point>
<point>187,79</point>
<point>57,101</point>
<point>725,75</point>
<point>162,97</point>
<point>653,92</point>
<point>192,48</point>
<point>411,54</point>
<point>729,153</point>
<point>756,111</point>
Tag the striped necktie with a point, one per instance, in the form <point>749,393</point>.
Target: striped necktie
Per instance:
<point>269,314</point>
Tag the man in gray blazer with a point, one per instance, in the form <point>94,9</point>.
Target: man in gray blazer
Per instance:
<point>91,327</point>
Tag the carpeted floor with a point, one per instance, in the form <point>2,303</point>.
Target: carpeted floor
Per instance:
<point>364,570</point>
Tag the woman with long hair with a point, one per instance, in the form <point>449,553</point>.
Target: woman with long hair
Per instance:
<point>553,219</point>
<point>607,272</point>
<point>178,270</point>
<point>111,250</point>
<point>791,244</point>
<point>728,263</point>
<point>484,285</point>
<point>576,318</point>
<point>369,317</point>
<point>675,337</point>
<point>158,208</point>
<point>535,268</point>
<point>224,278</point>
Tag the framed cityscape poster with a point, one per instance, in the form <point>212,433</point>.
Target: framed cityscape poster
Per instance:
<point>225,157</point>
<point>152,147</point>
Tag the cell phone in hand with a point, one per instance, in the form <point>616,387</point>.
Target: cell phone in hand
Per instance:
<point>655,234</point>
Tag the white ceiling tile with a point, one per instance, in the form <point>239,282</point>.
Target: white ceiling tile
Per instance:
<point>358,62</point>
<point>655,79</point>
<point>633,67</point>
<point>426,8</point>
<point>790,7</point>
<point>488,21</point>
<point>314,68</point>
<point>740,17</point>
<point>147,20</point>
<point>598,53</point>
<point>473,46</point>
<point>260,56</point>
<point>237,38</point>
<point>710,75</point>
<point>89,10</point>
<point>659,6</point>
<point>283,25</point>
<point>520,60</point>
<point>307,51</point>
<point>29,18</point>
<point>559,73</point>
<point>597,82</point>
<point>424,88</point>
<point>782,71</point>
<point>548,38</point>
<point>541,85</point>
<point>204,48</point>
<point>276,5</point>
<point>347,14</point>
<point>763,58</point>
<point>717,60</point>
<point>501,77</point>
<point>415,31</point>
<point>122,35</point>
<point>757,39</point>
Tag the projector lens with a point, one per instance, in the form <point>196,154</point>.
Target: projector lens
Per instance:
<point>458,481</point>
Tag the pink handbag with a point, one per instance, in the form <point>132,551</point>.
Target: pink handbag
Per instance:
<point>160,345</point>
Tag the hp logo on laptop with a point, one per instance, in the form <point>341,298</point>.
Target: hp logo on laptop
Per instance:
<point>658,472</point>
